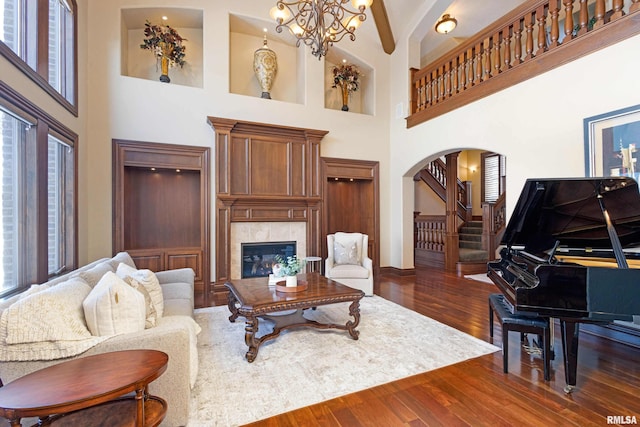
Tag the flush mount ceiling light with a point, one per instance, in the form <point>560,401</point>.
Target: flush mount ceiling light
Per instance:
<point>446,24</point>
<point>319,23</point>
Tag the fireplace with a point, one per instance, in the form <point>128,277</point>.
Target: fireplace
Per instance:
<point>258,258</point>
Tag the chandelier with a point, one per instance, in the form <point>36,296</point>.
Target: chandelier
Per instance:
<point>319,23</point>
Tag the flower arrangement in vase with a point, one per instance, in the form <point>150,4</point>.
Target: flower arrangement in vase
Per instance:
<point>288,268</point>
<point>347,77</point>
<point>166,45</point>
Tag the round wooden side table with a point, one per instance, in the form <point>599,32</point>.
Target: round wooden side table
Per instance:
<point>90,391</point>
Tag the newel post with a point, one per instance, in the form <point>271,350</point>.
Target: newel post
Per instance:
<point>451,217</point>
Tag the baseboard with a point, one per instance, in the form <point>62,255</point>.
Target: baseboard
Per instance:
<point>398,271</point>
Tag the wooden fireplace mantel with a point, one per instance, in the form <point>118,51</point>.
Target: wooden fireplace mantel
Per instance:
<point>265,173</point>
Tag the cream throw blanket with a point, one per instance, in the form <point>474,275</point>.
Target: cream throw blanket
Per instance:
<point>47,325</point>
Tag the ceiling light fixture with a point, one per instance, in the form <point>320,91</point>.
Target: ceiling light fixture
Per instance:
<point>319,23</point>
<point>446,24</point>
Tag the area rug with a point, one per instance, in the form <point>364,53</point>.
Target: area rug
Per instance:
<point>307,366</point>
<point>479,278</point>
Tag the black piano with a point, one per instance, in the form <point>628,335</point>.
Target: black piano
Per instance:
<point>567,250</point>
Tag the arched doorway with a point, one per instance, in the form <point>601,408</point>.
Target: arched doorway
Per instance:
<point>458,227</point>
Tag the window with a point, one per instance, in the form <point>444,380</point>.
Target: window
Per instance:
<point>25,28</point>
<point>494,174</point>
<point>38,171</point>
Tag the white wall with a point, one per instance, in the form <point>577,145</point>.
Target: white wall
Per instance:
<point>536,124</point>
<point>123,107</point>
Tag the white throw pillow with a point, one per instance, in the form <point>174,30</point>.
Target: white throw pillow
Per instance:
<point>53,314</point>
<point>345,252</point>
<point>113,307</point>
<point>149,280</point>
<point>151,318</point>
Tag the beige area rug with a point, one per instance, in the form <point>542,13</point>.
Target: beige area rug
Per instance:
<point>479,278</point>
<point>307,366</point>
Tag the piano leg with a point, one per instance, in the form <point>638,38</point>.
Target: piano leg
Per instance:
<point>570,332</point>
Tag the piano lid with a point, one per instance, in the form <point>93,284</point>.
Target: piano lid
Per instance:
<point>568,211</point>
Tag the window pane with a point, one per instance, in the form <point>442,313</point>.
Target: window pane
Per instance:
<point>14,137</point>
<point>59,203</point>
<point>19,22</point>
<point>61,48</point>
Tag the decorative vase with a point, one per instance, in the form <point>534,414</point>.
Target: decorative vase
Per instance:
<point>265,67</point>
<point>345,97</point>
<point>164,63</point>
<point>292,281</point>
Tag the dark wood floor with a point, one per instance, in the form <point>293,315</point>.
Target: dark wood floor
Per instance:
<point>477,392</point>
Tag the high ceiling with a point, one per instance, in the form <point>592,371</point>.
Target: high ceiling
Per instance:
<point>472,17</point>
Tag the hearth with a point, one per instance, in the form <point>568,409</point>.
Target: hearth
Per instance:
<point>258,258</point>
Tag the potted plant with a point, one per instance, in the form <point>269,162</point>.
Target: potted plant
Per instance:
<point>166,45</point>
<point>347,77</point>
<point>288,268</point>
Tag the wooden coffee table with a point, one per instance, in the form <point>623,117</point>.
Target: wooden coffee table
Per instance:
<point>254,298</point>
<point>88,391</point>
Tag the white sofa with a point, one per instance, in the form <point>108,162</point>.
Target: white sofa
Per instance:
<point>175,333</point>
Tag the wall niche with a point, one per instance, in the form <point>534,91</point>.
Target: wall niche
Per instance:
<point>141,63</point>
<point>360,101</point>
<point>246,35</point>
<point>161,206</point>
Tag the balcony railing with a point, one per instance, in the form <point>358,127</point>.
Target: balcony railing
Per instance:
<point>532,39</point>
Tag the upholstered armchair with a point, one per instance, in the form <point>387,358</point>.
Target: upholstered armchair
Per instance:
<point>347,261</point>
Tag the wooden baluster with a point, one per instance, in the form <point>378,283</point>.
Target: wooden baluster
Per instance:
<point>454,76</point>
<point>424,93</point>
<point>568,21</point>
<point>528,25</point>
<point>584,18</point>
<point>486,56</point>
<point>478,64</point>
<point>542,31</point>
<point>506,43</point>
<point>635,5</point>
<point>617,10</point>
<point>517,40</point>
<point>469,65</point>
<point>462,72</point>
<point>441,83</point>
<point>599,14</point>
<point>554,34</point>
<point>446,80</point>
<point>497,61</point>
<point>434,87</point>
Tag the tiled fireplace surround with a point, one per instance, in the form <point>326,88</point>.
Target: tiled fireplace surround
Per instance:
<point>263,232</point>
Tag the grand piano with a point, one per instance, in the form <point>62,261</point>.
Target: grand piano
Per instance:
<point>571,251</point>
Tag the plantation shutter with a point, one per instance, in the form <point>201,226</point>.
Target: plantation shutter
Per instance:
<point>493,172</point>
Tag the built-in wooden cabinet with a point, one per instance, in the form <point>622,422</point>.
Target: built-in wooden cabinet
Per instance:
<point>264,173</point>
<point>351,201</point>
<point>161,206</point>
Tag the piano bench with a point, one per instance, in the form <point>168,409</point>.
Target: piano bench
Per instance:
<point>519,323</point>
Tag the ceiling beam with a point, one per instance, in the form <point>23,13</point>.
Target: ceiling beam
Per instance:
<point>379,13</point>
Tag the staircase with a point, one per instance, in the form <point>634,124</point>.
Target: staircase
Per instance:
<point>472,258</point>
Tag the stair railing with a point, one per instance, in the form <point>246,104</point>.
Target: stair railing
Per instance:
<point>434,175</point>
<point>494,220</point>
